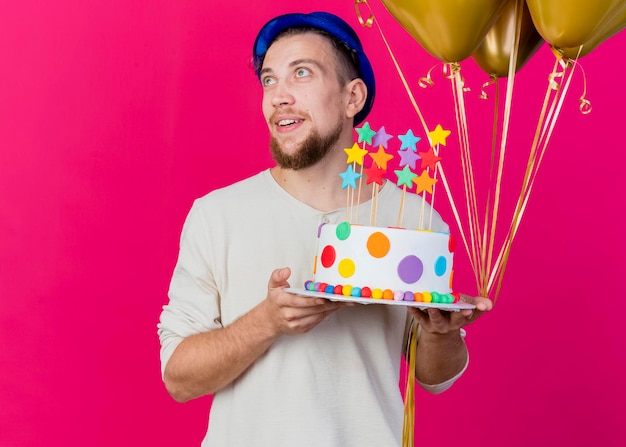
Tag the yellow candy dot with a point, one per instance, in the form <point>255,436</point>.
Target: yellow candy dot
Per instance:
<point>347,290</point>
<point>346,268</point>
<point>377,294</point>
<point>428,298</point>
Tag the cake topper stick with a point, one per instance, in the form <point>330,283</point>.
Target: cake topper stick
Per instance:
<point>358,197</point>
<point>405,178</point>
<point>431,159</point>
<point>349,178</point>
<point>355,156</point>
<point>374,175</point>
<point>424,183</point>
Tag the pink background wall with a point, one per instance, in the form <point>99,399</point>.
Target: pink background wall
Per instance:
<point>115,115</point>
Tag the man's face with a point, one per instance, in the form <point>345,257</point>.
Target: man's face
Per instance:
<point>303,101</point>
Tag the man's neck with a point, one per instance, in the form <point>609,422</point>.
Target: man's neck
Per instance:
<point>319,186</point>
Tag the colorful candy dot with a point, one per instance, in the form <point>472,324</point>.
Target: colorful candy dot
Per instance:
<point>343,231</point>
<point>408,296</point>
<point>378,245</point>
<point>456,296</point>
<point>347,290</point>
<point>441,265</point>
<point>436,297</point>
<point>398,295</point>
<point>328,256</point>
<point>377,294</point>
<point>330,289</point>
<point>356,292</point>
<point>418,297</point>
<point>428,298</point>
<point>346,268</point>
<point>316,286</point>
<point>338,290</point>
<point>387,294</point>
<point>410,269</point>
<point>366,292</point>
<point>307,284</point>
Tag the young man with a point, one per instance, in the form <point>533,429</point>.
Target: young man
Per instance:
<point>289,370</point>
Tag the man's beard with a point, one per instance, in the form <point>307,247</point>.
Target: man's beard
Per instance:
<point>312,150</point>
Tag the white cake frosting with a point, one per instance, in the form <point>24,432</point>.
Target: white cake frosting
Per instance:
<point>395,259</point>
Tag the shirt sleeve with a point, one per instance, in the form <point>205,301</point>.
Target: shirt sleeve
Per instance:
<point>194,301</point>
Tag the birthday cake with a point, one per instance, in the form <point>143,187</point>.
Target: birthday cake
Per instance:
<point>384,263</point>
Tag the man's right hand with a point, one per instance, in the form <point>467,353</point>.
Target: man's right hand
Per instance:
<point>291,314</point>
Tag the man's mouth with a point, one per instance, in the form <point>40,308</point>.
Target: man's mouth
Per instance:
<point>288,122</point>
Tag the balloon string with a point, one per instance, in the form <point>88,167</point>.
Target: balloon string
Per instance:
<point>408,430</point>
<point>427,81</point>
<point>432,198</point>
<point>368,23</point>
<point>466,175</point>
<point>468,178</point>
<point>503,140</point>
<point>534,162</point>
<point>585,105</point>
<point>457,218</point>
<point>493,80</point>
<point>494,136</point>
<point>543,118</point>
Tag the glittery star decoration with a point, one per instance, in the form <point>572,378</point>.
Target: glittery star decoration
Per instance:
<point>374,174</point>
<point>381,157</point>
<point>424,182</point>
<point>381,138</point>
<point>438,136</point>
<point>409,141</point>
<point>429,159</point>
<point>355,154</point>
<point>408,158</point>
<point>405,176</point>
<point>365,133</point>
<point>349,178</point>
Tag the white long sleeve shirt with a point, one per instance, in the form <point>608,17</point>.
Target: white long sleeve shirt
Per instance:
<point>335,386</point>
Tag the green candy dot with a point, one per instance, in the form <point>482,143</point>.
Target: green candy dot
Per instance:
<point>343,231</point>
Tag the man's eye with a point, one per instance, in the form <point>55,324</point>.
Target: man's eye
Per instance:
<point>300,72</point>
<point>268,81</point>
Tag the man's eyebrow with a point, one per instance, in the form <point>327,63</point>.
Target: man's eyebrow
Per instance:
<point>306,61</point>
<point>295,63</point>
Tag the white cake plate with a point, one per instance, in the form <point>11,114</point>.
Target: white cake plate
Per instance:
<point>332,297</point>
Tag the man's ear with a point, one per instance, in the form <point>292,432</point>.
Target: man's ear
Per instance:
<point>357,91</point>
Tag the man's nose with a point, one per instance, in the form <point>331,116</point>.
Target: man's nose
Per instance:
<point>282,95</point>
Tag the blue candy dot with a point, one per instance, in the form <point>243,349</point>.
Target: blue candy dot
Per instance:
<point>440,266</point>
